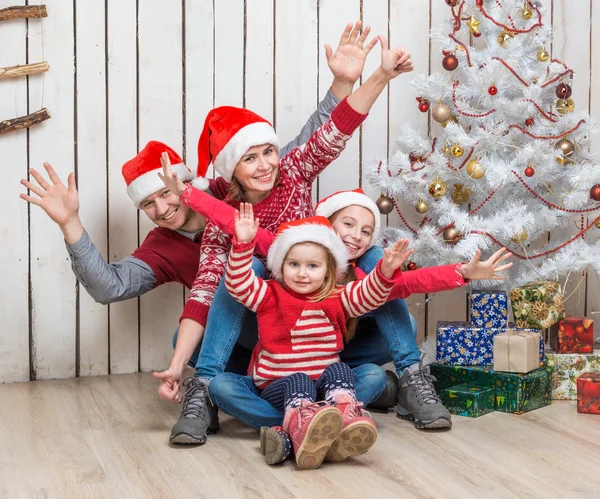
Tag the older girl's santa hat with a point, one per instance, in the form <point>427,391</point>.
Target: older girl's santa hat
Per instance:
<point>342,199</point>
<point>141,172</point>
<point>227,135</point>
<point>307,230</point>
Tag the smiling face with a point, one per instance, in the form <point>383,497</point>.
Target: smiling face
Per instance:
<point>305,268</point>
<point>257,172</point>
<point>166,210</point>
<point>355,225</point>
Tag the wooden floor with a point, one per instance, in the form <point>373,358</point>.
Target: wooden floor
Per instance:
<point>108,437</point>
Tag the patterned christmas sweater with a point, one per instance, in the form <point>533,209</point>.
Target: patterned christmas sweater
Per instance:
<point>294,333</point>
<point>290,200</point>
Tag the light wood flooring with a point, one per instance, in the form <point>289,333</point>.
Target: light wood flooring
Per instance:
<point>108,437</point>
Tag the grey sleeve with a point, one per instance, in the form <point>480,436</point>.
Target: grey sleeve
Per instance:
<point>320,116</point>
<point>108,283</point>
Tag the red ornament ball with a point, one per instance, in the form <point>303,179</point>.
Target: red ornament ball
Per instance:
<point>595,192</point>
<point>477,34</point>
<point>563,91</point>
<point>411,266</point>
<point>529,121</point>
<point>450,62</point>
<point>424,106</point>
<point>529,171</point>
<point>479,3</point>
<point>452,3</point>
<point>493,90</point>
<point>446,52</point>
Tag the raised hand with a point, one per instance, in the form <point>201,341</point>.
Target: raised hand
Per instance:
<point>396,61</point>
<point>394,257</point>
<point>246,226</point>
<point>488,269</point>
<point>170,178</point>
<point>348,61</point>
<point>170,381</point>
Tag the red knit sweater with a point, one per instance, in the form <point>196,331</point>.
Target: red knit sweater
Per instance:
<point>290,200</point>
<point>294,333</point>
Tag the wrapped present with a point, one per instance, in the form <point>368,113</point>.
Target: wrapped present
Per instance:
<point>538,304</point>
<point>588,393</point>
<point>469,401</point>
<point>517,351</point>
<point>460,343</point>
<point>474,376</point>
<point>520,393</point>
<point>566,368</point>
<point>573,335</point>
<point>489,309</point>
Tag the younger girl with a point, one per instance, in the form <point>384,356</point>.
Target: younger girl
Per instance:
<point>302,318</point>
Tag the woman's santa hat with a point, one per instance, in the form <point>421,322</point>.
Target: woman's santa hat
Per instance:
<point>307,230</point>
<point>141,172</point>
<point>227,135</point>
<point>342,199</point>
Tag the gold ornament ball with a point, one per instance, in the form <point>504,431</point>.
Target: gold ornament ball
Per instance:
<point>475,170</point>
<point>451,235</point>
<point>542,55</point>
<point>564,106</point>
<point>504,37</point>
<point>446,148</point>
<point>438,188</point>
<point>526,12</point>
<point>385,204</point>
<point>441,112</point>
<point>456,151</point>
<point>597,223</point>
<point>421,207</point>
<point>566,147</point>
<point>519,237</point>
<point>460,194</point>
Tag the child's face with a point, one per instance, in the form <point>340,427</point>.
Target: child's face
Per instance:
<point>355,224</point>
<point>257,170</point>
<point>305,268</point>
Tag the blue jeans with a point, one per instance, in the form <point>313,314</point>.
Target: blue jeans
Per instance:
<point>237,395</point>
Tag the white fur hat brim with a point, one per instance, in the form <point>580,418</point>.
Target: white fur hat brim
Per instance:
<point>307,233</point>
<point>148,183</point>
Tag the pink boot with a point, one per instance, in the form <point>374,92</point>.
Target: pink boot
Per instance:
<point>313,427</point>
<point>358,434</point>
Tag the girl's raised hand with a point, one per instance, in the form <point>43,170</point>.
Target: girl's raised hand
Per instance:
<point>394,257</point>
<point>246,226</point>
<point>396,61</point>
<point>488,269</point>
<point>170,178</point>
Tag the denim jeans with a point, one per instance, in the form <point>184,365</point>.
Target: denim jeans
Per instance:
<point>237,395</point>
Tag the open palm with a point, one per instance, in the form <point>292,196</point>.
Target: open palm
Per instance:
<point>246,226</point>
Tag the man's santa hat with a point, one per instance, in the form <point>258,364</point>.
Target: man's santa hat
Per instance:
<point>342,199</point>
<point>141,172</point>
<point>227,135</point>
<point>307,230</point>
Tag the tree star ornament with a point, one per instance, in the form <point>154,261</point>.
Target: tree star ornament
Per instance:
<point>473,25</point>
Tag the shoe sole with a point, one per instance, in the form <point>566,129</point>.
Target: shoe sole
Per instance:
<point>322,431</point>
<point>186,439</point>
<point>433,425</point>
<point>272,446</point>
<point>355,439</point>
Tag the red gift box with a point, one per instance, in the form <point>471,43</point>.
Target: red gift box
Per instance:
<point>588,393</point>
<point>573,335</point>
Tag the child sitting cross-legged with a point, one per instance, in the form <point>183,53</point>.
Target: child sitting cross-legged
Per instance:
<point>302,316</point>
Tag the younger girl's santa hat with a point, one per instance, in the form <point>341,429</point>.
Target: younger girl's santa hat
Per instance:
<point>307,230</point>
<point>342,199</point>
<point>227,135</point>
<point>141,172</point>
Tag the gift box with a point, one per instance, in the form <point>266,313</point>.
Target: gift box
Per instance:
<point>460,343</point>
<point>520,393</point>
<point>469,401</point>
<point>566,368</point>
<point>448,376</point>
<point>588,393</point>
<point>517,351</point>
<point>489,309</point>
<point>538,304</point>
<point>573,335</point>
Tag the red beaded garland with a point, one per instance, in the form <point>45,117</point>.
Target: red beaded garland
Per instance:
<point>493,90</point>
<point>529,122</point>
<point>450,62</point>
<point>595,192</point>
<point>424,106</point>
<point>529,171</point>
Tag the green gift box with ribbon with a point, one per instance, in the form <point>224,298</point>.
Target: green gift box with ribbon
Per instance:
<point>474,376</point>
<point>537,305</point>
<point>520,393</point>
<point>469,401</point>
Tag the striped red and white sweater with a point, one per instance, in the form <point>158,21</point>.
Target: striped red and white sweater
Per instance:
<point>290,200</point>
<point>294,333</point>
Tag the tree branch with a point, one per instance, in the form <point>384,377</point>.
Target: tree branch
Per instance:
<point>23,69</point>
<point>22,12</point>
<point>24,121</point>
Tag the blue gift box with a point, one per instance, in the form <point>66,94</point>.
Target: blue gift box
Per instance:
<point>489,309</point>
<point>461,343</point>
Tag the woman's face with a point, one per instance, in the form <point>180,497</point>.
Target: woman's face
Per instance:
<point>355,225</point>
<point>257,170</point>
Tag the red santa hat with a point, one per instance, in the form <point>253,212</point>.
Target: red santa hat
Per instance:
<point>342,199</point>
<point>227,135</point>
<point>141,172</point>
<point>307,230</point>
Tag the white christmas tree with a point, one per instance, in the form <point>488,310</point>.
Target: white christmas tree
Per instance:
<point>510,163</point>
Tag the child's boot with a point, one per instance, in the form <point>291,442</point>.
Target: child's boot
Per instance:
<point>275,444</point>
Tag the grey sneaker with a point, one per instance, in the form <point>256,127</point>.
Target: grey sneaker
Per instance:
<point>418,401</point>
<point>198,415</point>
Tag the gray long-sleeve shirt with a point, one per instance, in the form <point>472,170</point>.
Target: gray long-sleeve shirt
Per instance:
<point>132,276</point>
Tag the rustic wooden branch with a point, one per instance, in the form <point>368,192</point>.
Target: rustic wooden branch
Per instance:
<point>24,121</point>
<point>23,69</point>
<point>23,11</point>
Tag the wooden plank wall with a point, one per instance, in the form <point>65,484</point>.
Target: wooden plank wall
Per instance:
<point>122,73</point>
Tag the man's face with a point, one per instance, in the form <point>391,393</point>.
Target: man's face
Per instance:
<point>166,210</point>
